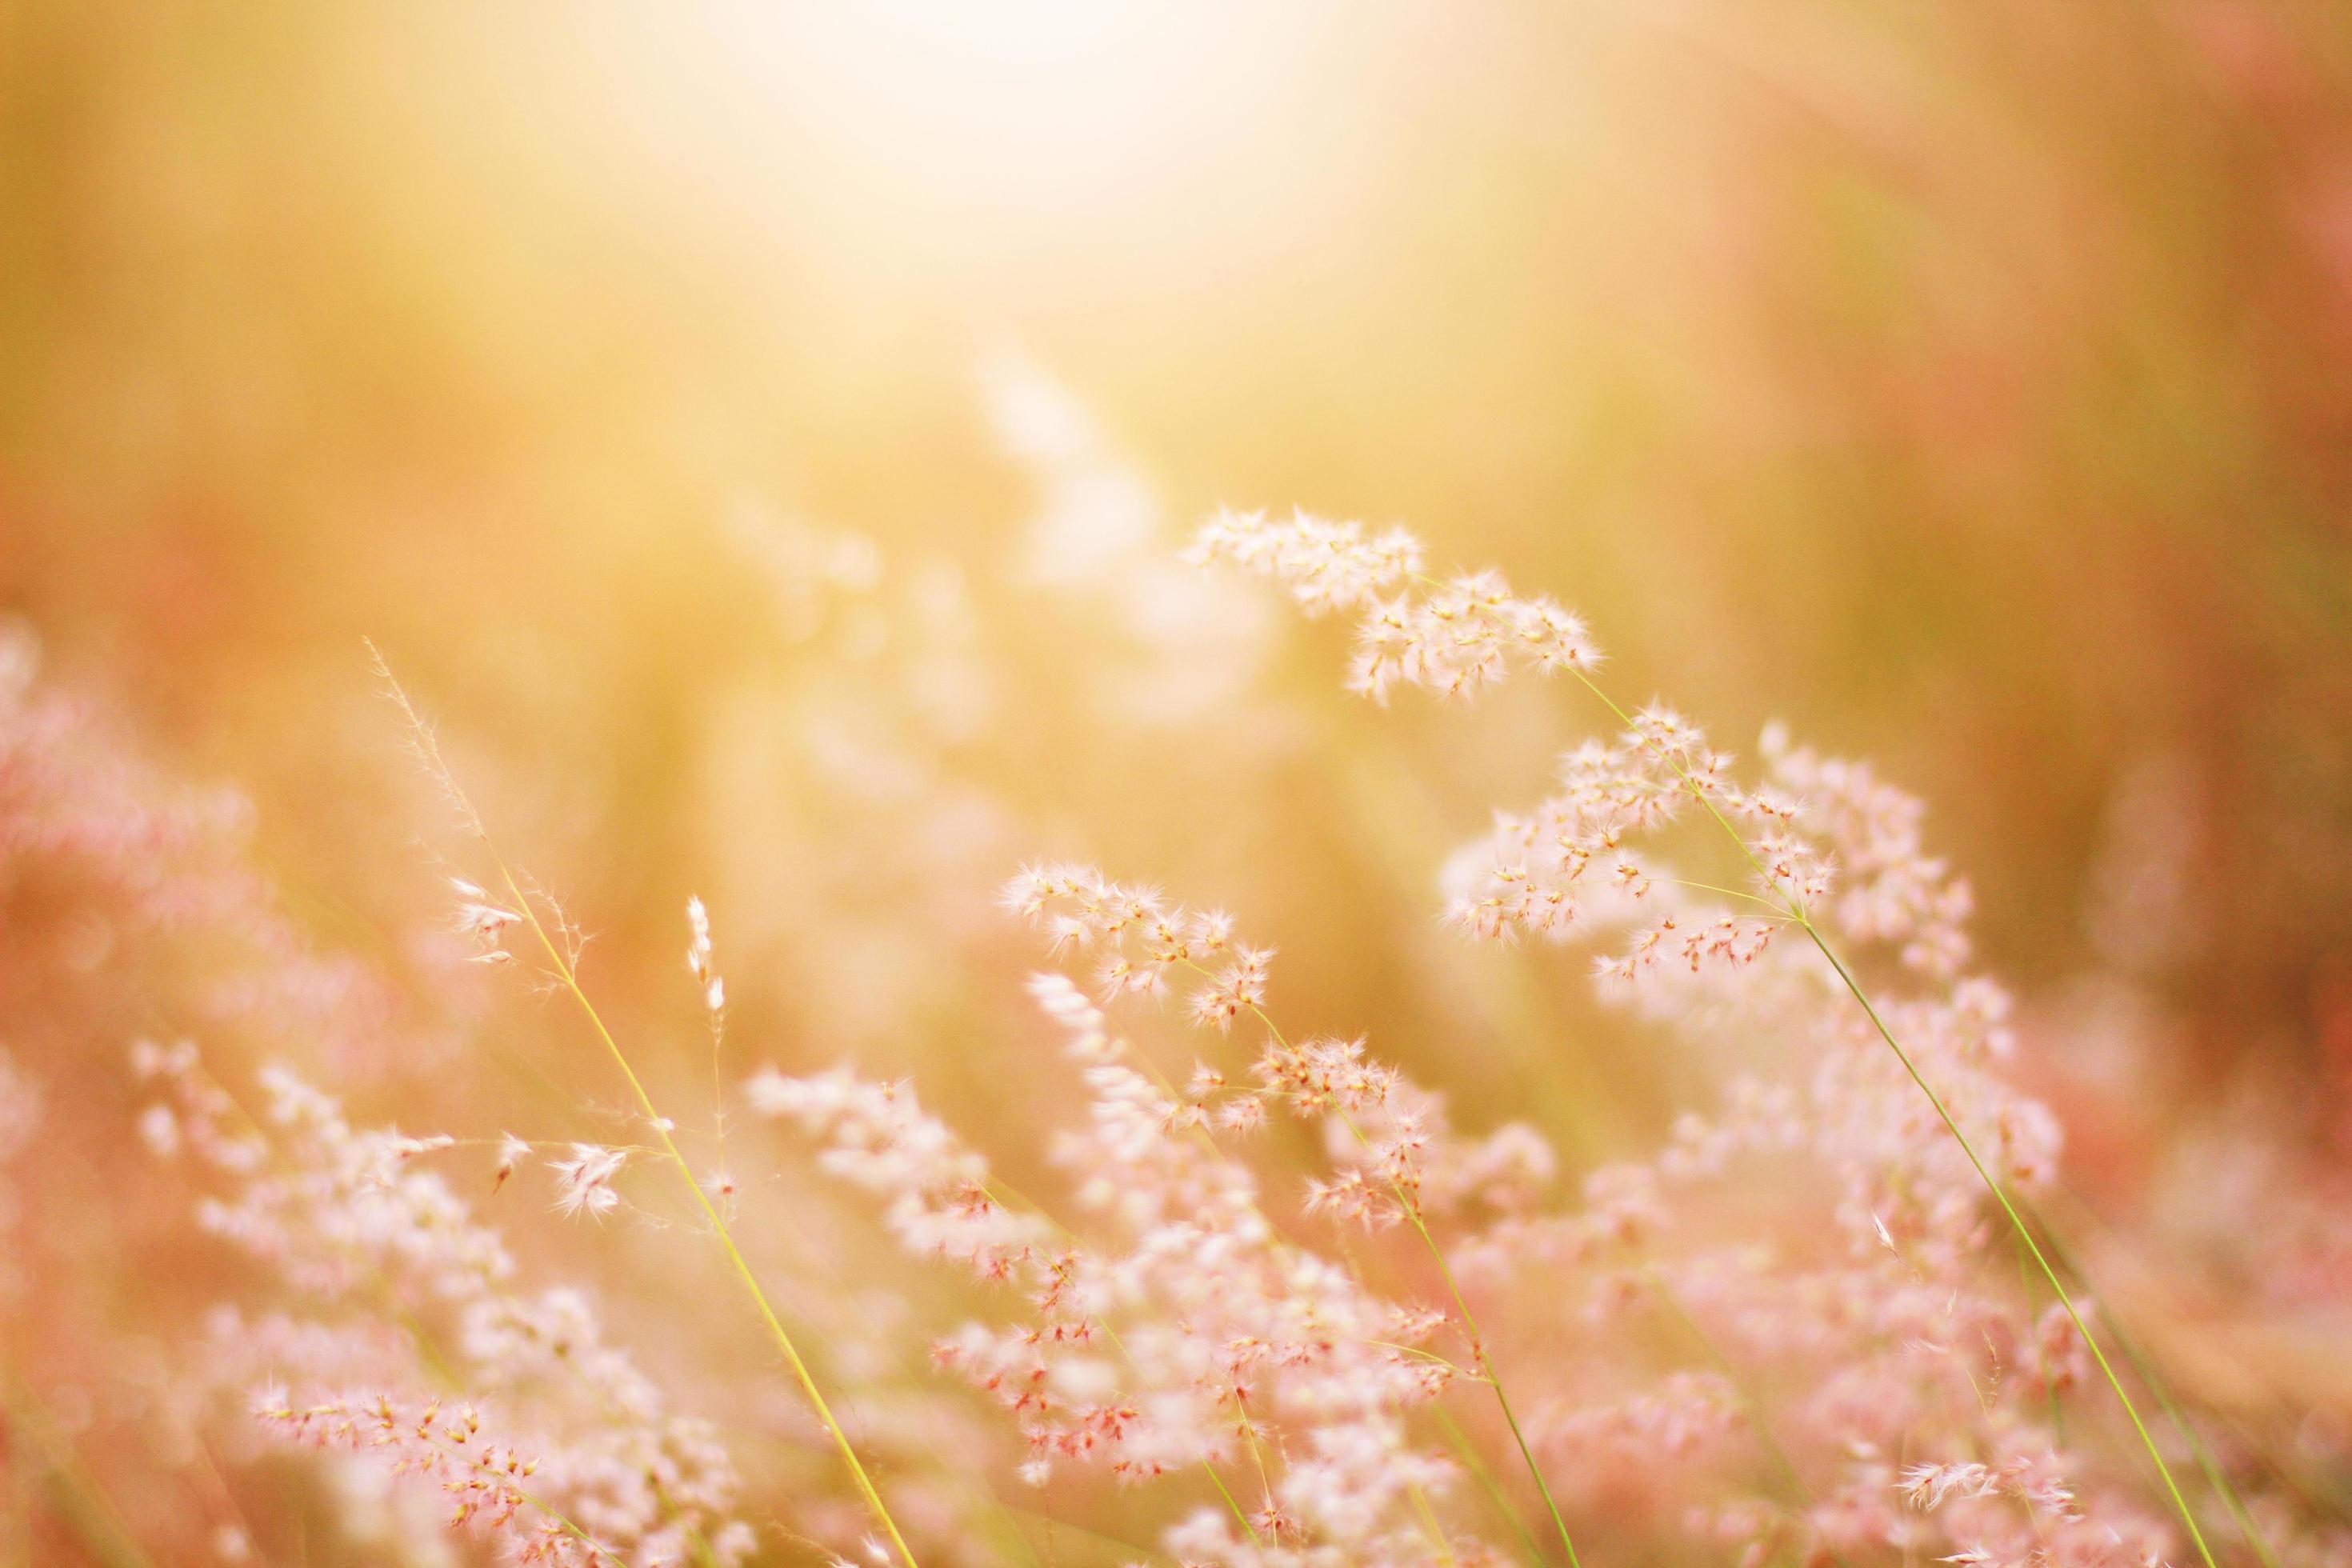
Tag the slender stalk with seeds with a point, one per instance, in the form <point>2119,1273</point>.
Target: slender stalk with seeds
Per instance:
<point>1248,1428</point>
<point>1457,636</point>
<point>566,974</point>
<point>1411,1208</point>
<point>1485,1361</point>
<point>1796,911</point>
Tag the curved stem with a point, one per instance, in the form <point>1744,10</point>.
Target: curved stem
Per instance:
<point>1462,1445</point>
<point>2024,1233</point>
<point>1804,919</point>
<point>1491,1378</point>
<point>569,978</point>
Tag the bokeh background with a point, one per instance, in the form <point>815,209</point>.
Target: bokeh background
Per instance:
<point>761,434</point>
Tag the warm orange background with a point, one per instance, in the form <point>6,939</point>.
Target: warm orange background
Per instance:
<point>1969,385</point>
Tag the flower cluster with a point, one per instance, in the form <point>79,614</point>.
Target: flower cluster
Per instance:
<point>1298,1315</point>
<point>1916,1344</point>
<point>484,1484</point>
<point>1326,565</point>
<point>1141,940</point>
<point>359,1222</point>
<point>1184,1331</point>
<point>1453,637</point>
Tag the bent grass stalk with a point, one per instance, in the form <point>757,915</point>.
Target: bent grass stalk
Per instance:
<point>1459,1441</point>
<point>567,975</point>
<point>2159,1385</point>
<point>1491,1376</point>
<point>1485,1364</point>
<point>1797,912</point>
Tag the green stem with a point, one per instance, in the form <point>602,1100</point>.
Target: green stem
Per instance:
<point>428,753</point>
<point>2017,1223</point>
<point>1460,1441</point>
<point>2158,1385</point>
<point>2025,1289</point>
<point>1485,1364</point>
<point>1992,1185</point>
<point>1412,1211</point>
<point>1429,1522</point>
<point>564,973</point>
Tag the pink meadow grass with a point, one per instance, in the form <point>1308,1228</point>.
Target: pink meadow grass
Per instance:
<point>1279,1308</point>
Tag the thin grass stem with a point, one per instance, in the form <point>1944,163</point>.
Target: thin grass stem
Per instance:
<point>1804,921</point>
<point>2160,1386</point>
<point>561,965</point>
<point>2017,1222</point>
<point>1468,1451</point>
<point>568,976</point>
<point>1493,1379</point>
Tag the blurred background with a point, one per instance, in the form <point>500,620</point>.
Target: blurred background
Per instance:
<point>761,434</point>
<point>1966,384</point>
